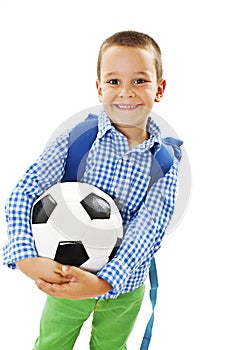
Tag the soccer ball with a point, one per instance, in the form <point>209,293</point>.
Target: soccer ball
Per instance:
<point>76,224</point>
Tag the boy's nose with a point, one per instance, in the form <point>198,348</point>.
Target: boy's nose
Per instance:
<point>126,92</point>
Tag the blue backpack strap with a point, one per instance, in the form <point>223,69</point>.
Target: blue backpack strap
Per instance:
<point>153,295</point>
<point>81,139</point>
<point>175,145</point>
<point>162,161</point>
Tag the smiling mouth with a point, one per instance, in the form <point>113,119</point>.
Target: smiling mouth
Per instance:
<point>127,107</point>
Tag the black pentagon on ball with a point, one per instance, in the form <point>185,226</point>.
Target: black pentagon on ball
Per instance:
<point>96,207</point>
<point>71,253</point>
<point>42,210</point>
<point>115,249</point>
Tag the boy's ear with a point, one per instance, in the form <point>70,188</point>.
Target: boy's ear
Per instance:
<point>160,90</point>
<point>99,90</point>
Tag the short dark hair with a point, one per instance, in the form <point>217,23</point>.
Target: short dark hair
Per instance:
<point>132,38</point>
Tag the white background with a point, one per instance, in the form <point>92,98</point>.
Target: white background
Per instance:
<point>47,73</point>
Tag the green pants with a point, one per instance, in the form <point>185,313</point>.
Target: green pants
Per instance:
<point>113,321</point>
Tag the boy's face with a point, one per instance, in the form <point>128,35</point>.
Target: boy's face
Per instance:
<point>128,86</point>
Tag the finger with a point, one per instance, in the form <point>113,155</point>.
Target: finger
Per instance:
<point>64,290</point>
<point>62,279</point>
<point>73,271</point>
<point>46,287</point>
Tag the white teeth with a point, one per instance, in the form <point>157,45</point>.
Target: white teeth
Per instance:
<point>127,106</point>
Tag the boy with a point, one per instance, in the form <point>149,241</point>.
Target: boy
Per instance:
<point>129,81</point>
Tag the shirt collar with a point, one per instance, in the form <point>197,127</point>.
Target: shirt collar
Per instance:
<point>154,131</point>
<point>104,125</point>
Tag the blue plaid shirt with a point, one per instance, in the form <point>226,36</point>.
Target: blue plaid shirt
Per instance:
<point>121,172</point>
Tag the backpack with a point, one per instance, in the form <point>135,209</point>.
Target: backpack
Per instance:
<point>81,139</point>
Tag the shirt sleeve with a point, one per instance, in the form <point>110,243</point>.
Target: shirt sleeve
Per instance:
<point>144,233</point>
<point>46,171</point>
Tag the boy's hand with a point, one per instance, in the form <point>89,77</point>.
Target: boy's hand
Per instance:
<point>44,268</point>
<point>82,285</point>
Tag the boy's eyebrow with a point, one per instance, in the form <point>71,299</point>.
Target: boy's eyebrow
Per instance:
<point>142,73</point>
<point>110,74</point>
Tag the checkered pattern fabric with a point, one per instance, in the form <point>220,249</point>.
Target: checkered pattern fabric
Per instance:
<point>121,172</point>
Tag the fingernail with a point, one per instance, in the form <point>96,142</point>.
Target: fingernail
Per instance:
<point>65,269</point>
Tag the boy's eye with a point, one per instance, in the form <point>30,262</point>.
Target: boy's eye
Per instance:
<point>140,81</point>
<point>113,82</point>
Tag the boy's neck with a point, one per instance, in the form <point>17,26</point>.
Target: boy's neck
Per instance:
<point>134,134</point>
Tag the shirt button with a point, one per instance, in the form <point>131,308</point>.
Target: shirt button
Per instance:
<point>125,157</point>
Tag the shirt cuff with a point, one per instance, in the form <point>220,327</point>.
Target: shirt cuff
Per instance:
<point>16,250</point>
<point>116,274</point>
